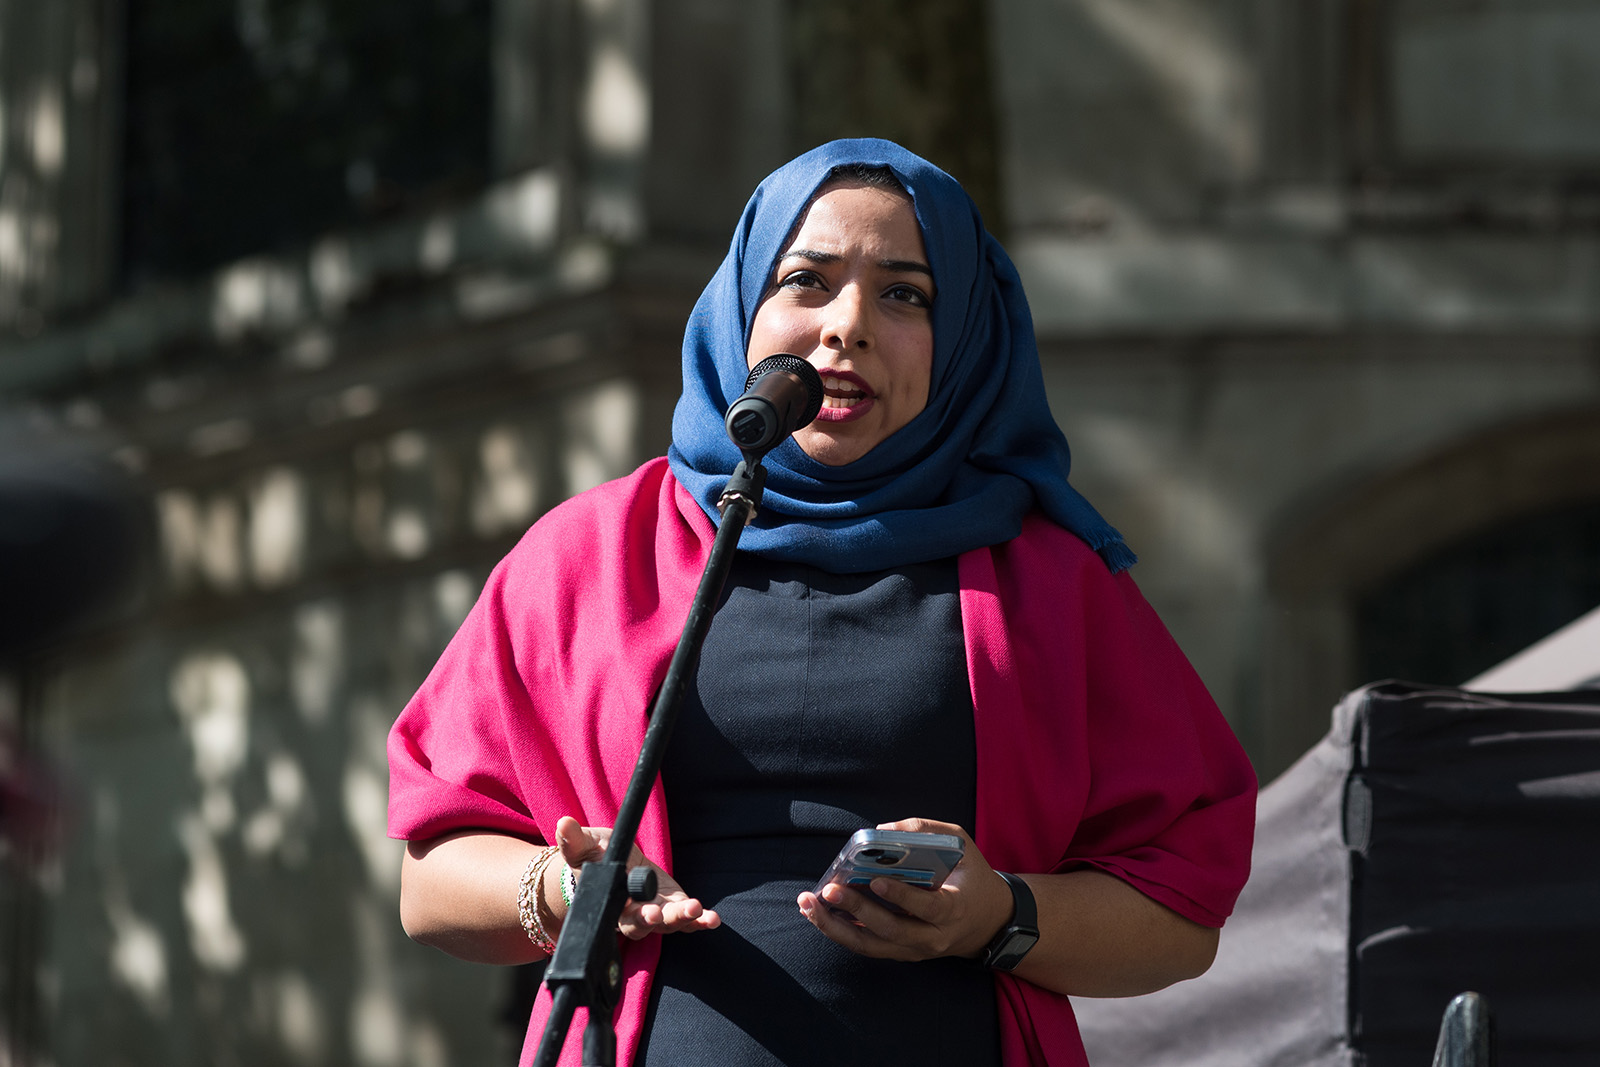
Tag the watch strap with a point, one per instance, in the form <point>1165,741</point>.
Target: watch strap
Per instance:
<point>1018,935</point>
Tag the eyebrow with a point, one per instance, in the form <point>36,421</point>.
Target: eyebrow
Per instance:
<point>811,255</point>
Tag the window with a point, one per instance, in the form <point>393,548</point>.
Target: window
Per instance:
<point>1473,604</point>
<point>253,125</point>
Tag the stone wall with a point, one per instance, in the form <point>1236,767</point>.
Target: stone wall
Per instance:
<point>336,443</point>
<point>1265,283</point>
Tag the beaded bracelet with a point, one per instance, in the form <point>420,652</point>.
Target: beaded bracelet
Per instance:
<point>528,899</point>
<point>569,884</point>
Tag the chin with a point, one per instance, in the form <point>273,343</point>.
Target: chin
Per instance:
<point>829,450</point>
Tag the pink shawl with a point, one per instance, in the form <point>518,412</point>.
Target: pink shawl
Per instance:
<point>1096,742</point>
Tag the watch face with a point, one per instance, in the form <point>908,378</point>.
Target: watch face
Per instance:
<point>1015,946</point>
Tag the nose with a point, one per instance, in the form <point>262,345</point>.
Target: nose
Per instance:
<point>848,324</point>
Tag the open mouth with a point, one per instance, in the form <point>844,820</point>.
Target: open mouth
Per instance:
<point>846,396</point>
<point>843,393</point>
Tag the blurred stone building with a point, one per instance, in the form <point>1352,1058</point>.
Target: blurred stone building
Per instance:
<point>353,291</point>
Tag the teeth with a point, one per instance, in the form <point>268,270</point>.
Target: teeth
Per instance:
<point>839,385</point>
<point>842,401</point>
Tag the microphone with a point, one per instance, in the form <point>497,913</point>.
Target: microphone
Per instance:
<point>782,394</point>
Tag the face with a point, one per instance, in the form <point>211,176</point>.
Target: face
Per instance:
<point>853,295</point>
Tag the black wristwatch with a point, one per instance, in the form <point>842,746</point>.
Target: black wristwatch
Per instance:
<point>1020,934</point>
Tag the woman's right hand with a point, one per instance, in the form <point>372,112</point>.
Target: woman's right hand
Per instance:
<point>671,911</point>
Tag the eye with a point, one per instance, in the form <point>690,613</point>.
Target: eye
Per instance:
<point>799,279</point>
<point>909,294</point>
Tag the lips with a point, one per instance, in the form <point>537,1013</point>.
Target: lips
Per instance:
<point>845,396</point>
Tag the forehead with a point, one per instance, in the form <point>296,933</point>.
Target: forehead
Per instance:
<point>850,214</point>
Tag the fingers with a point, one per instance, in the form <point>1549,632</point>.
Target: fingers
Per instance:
<point>580,844</point>
<point>672,911</point>
<point>864,927</point>
<point>586,844</point>
<point>930,906</point>
<point>679,914</point>
<point>927,826</point>
<point>930,923</point>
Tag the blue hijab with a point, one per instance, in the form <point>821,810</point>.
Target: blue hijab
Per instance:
<point>963,473</point>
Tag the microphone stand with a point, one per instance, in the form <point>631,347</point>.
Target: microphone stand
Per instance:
<point>586,969</point>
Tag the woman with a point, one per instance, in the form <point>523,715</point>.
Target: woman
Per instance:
<point>927,629</point>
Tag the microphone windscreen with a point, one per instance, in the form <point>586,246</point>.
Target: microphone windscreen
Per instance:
<point>784,361</point>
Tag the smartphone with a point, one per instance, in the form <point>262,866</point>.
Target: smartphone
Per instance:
<point>918,859</point>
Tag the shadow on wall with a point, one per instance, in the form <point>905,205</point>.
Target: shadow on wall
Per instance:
<point>400,498</point>
<point>1180,75</point>
<point>227,889</point>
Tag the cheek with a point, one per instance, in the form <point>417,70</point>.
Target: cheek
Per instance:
<point>772,331</point>
<point>917,370</point>
<point>757,340</point>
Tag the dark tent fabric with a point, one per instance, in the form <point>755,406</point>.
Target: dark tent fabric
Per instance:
<point>1436,841</point>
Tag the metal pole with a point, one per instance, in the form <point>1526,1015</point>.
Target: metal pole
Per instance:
<point>586,970</point>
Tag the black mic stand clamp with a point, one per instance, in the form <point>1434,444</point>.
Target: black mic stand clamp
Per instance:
<point>744,488</point>
<point>586,969</point>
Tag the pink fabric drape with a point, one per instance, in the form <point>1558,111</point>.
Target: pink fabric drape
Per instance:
<point>1096,743</point>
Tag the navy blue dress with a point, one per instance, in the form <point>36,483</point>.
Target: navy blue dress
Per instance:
<point>824,703</point>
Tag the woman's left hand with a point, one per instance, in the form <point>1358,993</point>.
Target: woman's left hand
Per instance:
<point>959,918</point>
<point>671,911</point>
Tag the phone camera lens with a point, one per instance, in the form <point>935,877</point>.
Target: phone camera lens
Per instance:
<point>888,859</point>
<point>871,854</point>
